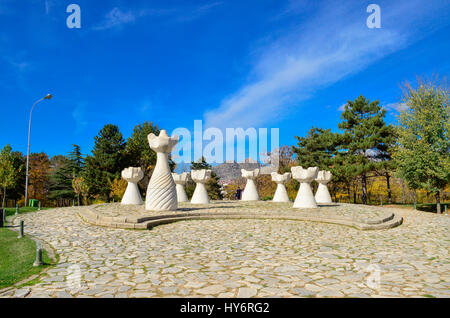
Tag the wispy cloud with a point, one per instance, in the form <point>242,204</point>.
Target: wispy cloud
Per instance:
<point>395,107</point>
<point>117,18</point>
<point>316,54</point>
<point>80,117</point>
<point>196,12</point>
<point>48,5</point>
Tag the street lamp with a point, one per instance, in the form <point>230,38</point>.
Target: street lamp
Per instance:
<point>48,96</point>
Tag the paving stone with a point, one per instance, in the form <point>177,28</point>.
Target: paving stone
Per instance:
<point>303,292</point>
<point>142,295</point>
<point>246,292</point>
<point>211,290</point>
<point>330,293</point>
<point>23,292</point>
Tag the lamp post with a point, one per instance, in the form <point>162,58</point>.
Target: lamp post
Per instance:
<point>48,96</point>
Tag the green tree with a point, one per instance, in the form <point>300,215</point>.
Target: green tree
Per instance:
<point>316,149</point>
<point>422,155</point>
<point>366,139</point>
<point>61,179</point>
<point>76,161</point>
<point>106,162</point>
<point>64,170</point>
<point>139,153</point>
<point>8,171</point>
<point>81,188</point>
<point>17,191</point>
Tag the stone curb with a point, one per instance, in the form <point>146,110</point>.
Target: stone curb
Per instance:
<point>148,222</point>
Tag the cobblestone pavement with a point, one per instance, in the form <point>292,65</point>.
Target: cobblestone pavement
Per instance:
<point>243,258</point>
<point>343,210</point>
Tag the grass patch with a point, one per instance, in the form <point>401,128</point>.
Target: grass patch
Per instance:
<point>12,211</point>
<point>17,257</point>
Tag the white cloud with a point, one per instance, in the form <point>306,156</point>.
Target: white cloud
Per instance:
<point>332,44</point>
<point>342,107</point>
<point>395,107</point>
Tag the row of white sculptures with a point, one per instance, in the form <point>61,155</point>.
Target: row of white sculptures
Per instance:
<point>166,189</point>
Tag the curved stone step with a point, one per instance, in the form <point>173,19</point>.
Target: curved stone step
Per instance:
<point>149,222</point>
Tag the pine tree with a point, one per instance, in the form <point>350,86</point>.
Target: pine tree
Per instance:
<point>61,179</point>
<point>317,149</point>
<point>366,140</point>
<point>76,161</point>
<point>64,170</point>
<point>106,162</point>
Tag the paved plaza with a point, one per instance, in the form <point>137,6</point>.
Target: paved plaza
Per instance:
<point>243,258</point>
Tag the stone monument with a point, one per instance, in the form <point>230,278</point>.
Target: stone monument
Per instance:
<point>305,197</point>
<point>200,177</point>
<point>250,192</point>
<point>322,194</point>
<point>132,195</point>
<point>180,180</point>
<point>281,194</point>
<point>161,192</point>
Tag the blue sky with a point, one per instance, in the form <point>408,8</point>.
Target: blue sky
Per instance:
<point>285,64</point>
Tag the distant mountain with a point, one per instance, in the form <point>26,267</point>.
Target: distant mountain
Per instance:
<point>230,171</point>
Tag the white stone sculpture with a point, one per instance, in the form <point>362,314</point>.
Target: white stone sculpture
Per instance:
<point>161,192</point>
<point>180,180</point>
<point>250,192</point>
<point>200,177</point>
<point>133,176</point>
<point>281,194</point>
<point>322,194</point>
<point>305,197</point>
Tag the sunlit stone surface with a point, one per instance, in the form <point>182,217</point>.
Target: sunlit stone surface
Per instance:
<point>180,181</point>
<point>132,175</point>
<point>200,177</point>
<point>322,194</point>
<point>281,194</point>
<point>305,197</point>
<point>161,192</point>
<point>250,192</point>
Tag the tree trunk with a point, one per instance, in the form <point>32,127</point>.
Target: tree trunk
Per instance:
<point>438,202</point>
<point>364,189</point>
<point>78,199</point>
<point>349,192</point>
<point>4,198</point>
<point>388,185</point>
<point>403,192</point>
